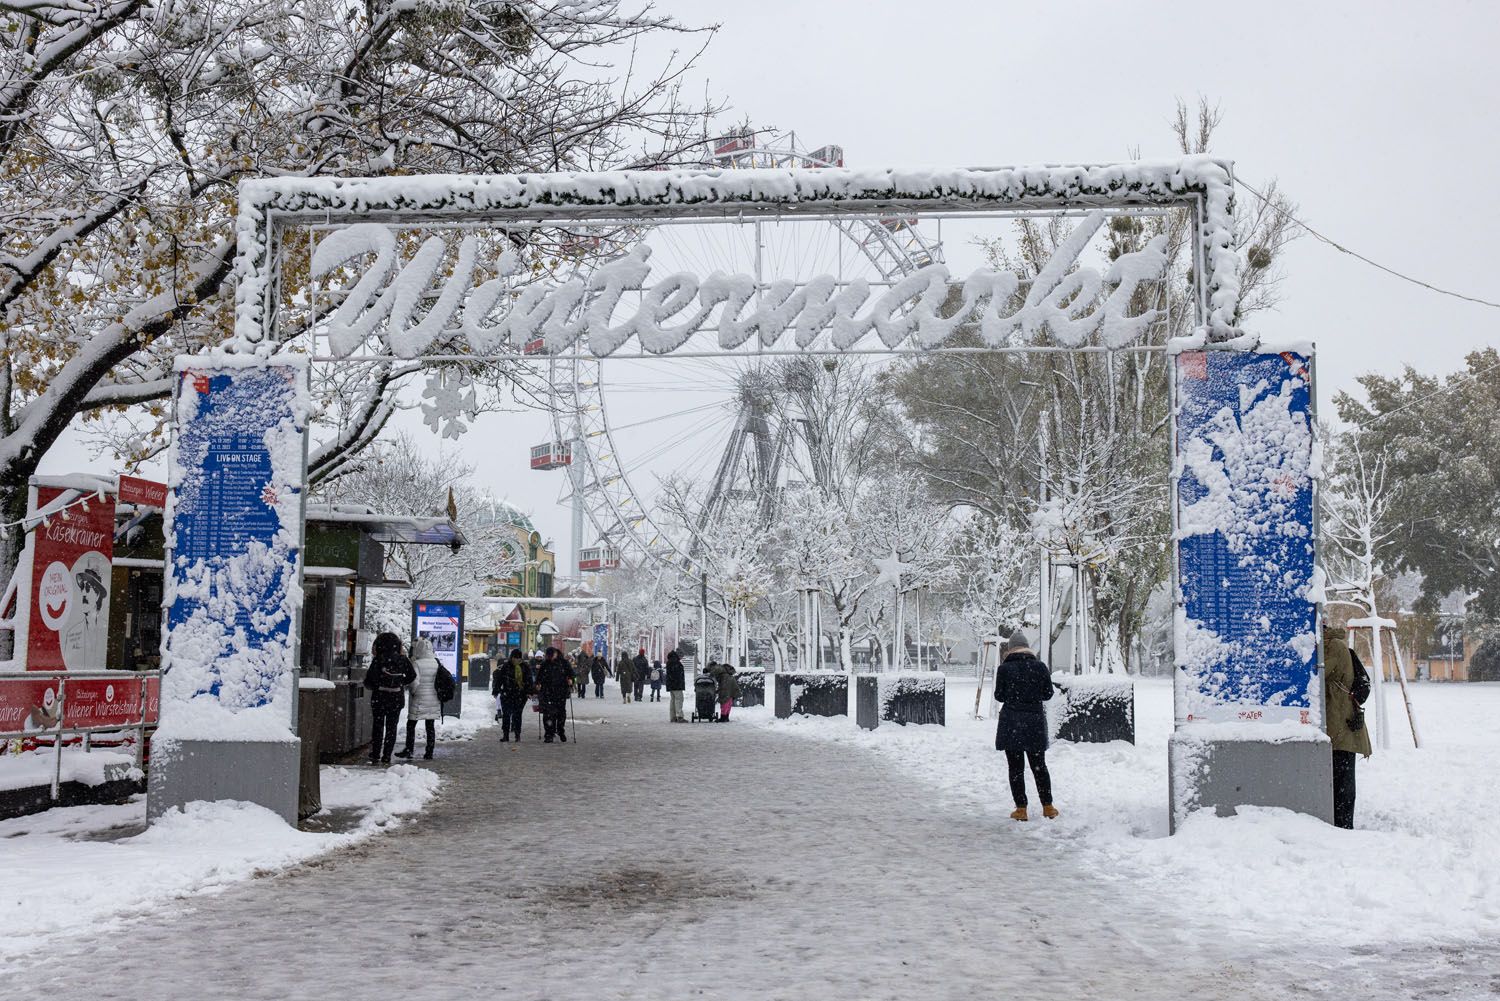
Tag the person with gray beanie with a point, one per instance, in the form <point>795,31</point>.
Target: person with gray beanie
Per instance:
<point>1022,684</point>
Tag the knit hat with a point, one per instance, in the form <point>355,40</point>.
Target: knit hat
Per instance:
<point>1017,641</point>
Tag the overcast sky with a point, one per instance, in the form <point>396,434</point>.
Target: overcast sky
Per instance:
<point>1378,119</point>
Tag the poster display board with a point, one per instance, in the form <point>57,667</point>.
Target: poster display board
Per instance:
<point>234,540</point>
<point>89,703</point>
<point>1247,643</point>
<point>68,618</point>
<point>442,624</point>
<point>601,640</point>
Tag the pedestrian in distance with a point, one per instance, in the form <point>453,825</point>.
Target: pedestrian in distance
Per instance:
<point>1022,684</point>
<point>642,670</point>
<point>424,704</point>
<point>676,683</point>
<point>658,675</point>
<point>729,690</point>
<point>1346,686</point>
<point>554,685</point>
<point>512,683</point>
<point>599,672</point>
<point>582,678</point>
<point>625,674</point>
<point>387,678</point>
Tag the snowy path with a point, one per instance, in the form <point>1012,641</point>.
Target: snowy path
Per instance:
<point>611,868</point>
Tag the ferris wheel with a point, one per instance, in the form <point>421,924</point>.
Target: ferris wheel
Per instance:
<point>619,425</point>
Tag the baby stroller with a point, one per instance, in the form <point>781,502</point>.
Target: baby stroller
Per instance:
<point>705,698</point>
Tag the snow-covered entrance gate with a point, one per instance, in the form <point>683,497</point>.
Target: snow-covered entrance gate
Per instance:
<point>1249,700</point>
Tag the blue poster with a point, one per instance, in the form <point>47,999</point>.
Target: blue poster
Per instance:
<point>234,536</point>
<point>601,640</point>
<point>1246,631</point>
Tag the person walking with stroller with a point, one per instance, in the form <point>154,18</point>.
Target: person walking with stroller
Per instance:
<point>642,670</point>
<point>625,675</point>
<point>555,684</point>
<point>676,685</point>
<point>729,690</point>
<point>512,683</point>
<point>599,672</point>
<point>1022,684</point>
<point>388,677</point>
<point>424,704</point>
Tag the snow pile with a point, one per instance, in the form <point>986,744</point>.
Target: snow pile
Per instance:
<point>1421,867</point>
<point>31,769</point>
<point>84,869</point>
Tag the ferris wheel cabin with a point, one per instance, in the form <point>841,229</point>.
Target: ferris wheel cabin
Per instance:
<point>597,558</point>
<point>552,455</point>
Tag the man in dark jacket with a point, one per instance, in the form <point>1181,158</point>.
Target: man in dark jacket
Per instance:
<point>387,678</point>
<point>1022,684</point>
<point>676,684</point>
<point>599,672</point>
<point>642,668</point>
<point>555,683</point>
<point>512,682</point>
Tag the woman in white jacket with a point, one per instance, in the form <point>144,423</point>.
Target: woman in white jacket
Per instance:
<point>424,704</point>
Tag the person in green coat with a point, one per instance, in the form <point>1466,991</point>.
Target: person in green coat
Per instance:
<point>1346,686</point>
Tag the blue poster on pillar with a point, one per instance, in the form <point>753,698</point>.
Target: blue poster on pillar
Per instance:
<point>601,640</point>
<point>234,538</point>
<point>1248,587</point>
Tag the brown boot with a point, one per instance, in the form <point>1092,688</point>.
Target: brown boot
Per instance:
<point>1019,813</point>
<point>1049,811</point>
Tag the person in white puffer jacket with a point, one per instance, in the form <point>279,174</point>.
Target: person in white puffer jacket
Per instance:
<point>424,704</point>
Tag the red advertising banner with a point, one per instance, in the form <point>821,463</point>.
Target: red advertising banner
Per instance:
<point>142,493</point>
<point>70,575</point>
<point>28,705</point>
<point>83,703</point>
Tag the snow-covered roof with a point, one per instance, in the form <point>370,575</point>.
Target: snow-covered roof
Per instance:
<point>438,530</point>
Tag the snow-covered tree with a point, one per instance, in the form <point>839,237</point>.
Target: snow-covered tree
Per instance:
<point>125,127</point>
<point>404,477</point>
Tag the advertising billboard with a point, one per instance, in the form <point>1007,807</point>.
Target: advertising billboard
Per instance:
<point>442,624</point>
<point>234,536</point>
<point>68,619</point>
<point>1247,644</point>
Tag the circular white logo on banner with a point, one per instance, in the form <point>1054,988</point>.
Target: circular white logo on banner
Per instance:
<point>55,596</point>
<point>49,698</point>
<point>109,693</point>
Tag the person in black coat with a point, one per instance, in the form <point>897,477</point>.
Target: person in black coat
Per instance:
<point>642,670</point>
<point>676,685</point>
<point>555,682</point>
<point>512,681</point>
<point>1022,684</point>
<point>599,672</point>
<point>387,679</point>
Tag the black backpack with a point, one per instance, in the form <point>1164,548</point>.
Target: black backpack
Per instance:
<point>444,684</point>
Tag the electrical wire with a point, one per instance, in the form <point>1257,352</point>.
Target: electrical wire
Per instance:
<point>1361,257</point>
<point>1430,396</point>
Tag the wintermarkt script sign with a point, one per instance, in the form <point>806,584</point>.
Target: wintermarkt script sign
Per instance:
<point>234,542</point>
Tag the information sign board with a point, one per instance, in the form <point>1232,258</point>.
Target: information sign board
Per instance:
<point>1247,586</point>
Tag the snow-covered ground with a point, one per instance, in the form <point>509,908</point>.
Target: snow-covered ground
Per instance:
<point>84,869</point>
<point>1421,866</point>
